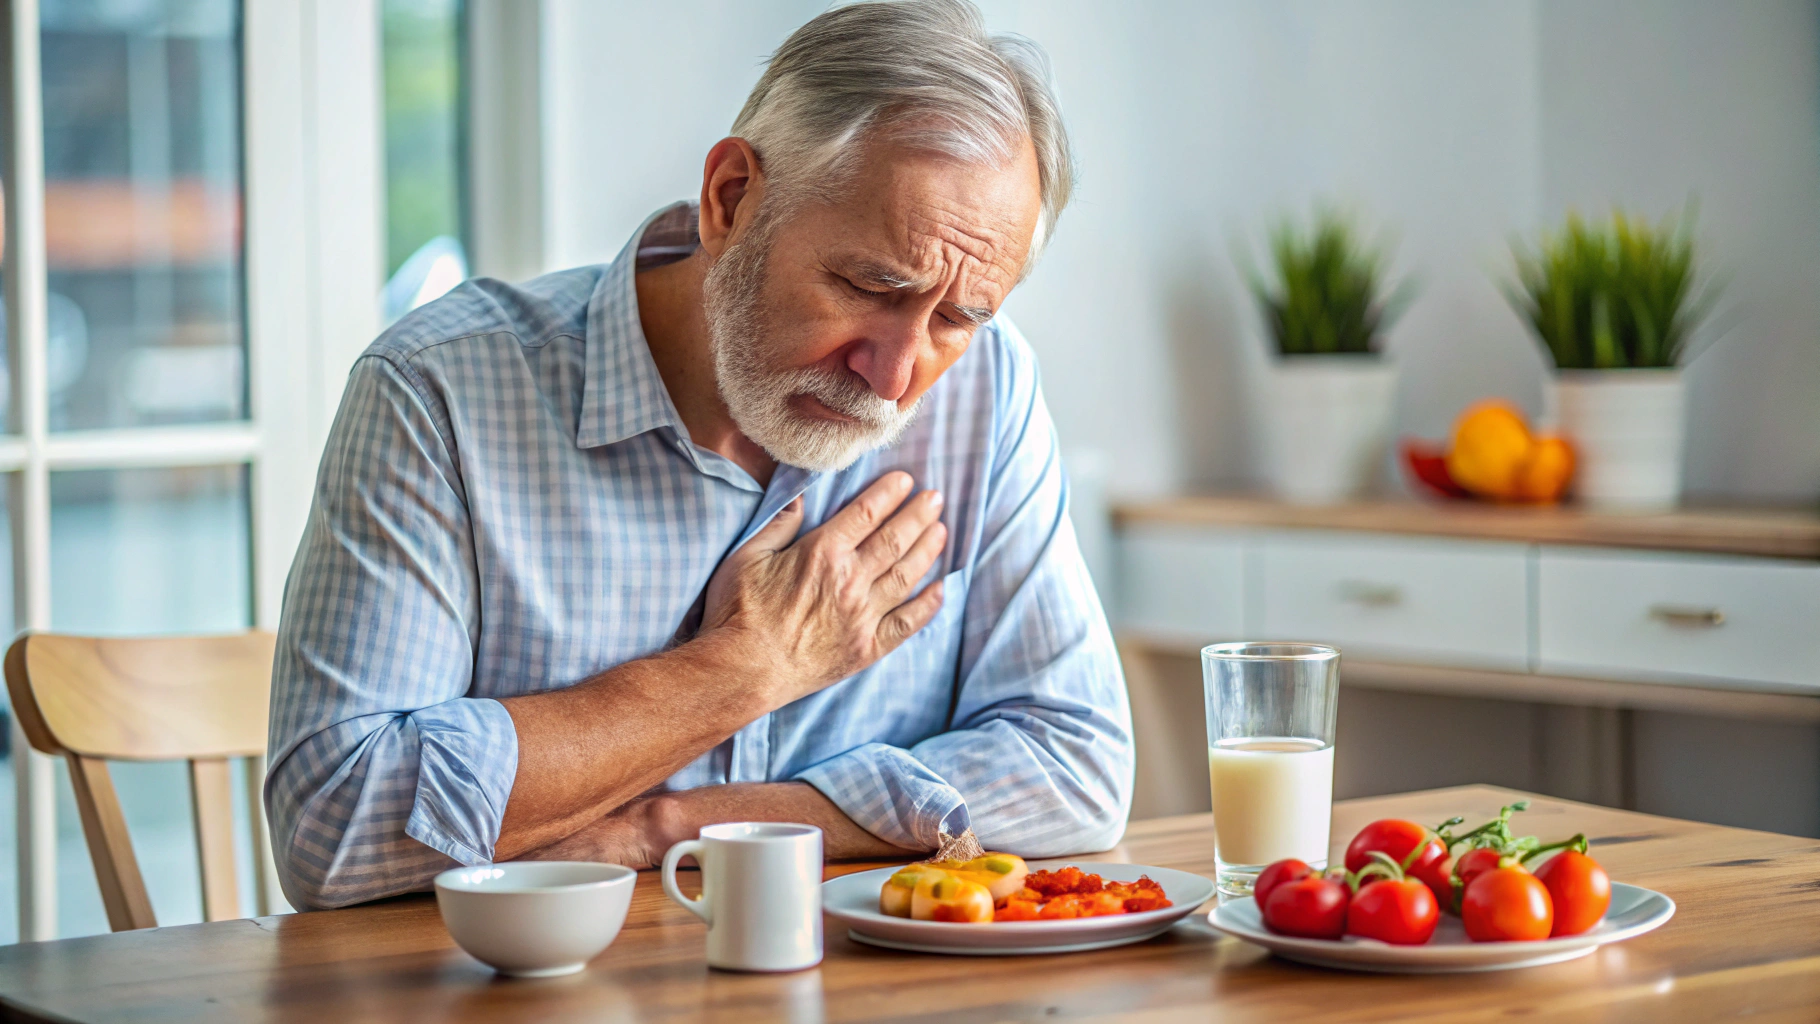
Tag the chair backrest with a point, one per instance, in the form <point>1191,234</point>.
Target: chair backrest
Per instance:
<point>202,699</point>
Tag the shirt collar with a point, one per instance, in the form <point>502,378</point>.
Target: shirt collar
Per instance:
<point>622,393</point>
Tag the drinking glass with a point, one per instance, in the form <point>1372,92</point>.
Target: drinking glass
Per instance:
<point>1270,719</point>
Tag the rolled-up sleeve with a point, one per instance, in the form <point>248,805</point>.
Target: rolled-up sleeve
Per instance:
<point>382,770</point>
<point>1038,759</point>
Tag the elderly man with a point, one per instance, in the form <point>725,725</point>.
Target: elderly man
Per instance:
<point>762,521</point>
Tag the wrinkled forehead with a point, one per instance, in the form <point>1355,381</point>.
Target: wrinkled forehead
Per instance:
<point>943,220</point>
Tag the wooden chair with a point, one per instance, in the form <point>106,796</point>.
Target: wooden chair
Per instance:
<point>202,699</point>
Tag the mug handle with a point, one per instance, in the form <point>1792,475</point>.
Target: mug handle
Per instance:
<point>699,907</point>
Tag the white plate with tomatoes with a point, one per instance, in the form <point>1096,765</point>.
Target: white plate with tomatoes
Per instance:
<point>853,900</point>
<point>1634,910</point>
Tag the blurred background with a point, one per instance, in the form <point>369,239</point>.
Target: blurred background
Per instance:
<point>237,196</point>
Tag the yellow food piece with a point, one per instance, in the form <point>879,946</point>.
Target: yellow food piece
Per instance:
<point>1001,873</point>
<point>1491,445</point>
<point>894,895</point>
<point>943,896</point>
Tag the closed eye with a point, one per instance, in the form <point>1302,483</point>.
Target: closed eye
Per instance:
<point>865,291</point>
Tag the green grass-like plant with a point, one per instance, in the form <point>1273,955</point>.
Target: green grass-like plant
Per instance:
<point>1328,295</point>
<point>1621,295</point>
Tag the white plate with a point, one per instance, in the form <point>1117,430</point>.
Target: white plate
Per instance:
<point>1633,911</point>
<point>853,900</point>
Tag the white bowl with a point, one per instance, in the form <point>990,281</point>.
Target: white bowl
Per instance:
<point>535,919</point>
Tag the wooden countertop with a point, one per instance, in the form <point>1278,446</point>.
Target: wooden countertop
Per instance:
<point>1765,532</point>
<point>1745,941</point>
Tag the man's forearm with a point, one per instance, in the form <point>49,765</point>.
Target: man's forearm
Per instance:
<point>638,833</point>
<point>688,811</point>
<point>586,750</point>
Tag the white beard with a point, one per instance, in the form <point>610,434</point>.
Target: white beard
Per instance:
<point>758,395</point>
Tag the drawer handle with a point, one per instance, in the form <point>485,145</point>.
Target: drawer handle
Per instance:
<point>1683,617</point>
<point>1371,595</point>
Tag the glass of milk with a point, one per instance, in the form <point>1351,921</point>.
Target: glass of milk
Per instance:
<point>1270,719</point>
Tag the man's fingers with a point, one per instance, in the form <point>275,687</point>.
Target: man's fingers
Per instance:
<point>893,585</point>
<point>775,535</point>
<point>863,514</point>
<point>910,616</point>
<point>889,542</point>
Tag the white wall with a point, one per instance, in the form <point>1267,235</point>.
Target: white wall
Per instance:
<point>1454,124</point>
<point>1653,103</point>
<point>634,95</point>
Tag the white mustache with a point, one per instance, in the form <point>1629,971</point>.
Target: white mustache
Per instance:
<point>850,396</point>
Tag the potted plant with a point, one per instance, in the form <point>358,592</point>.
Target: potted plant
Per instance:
<point>1614,305</point>
<point>1331,392</point>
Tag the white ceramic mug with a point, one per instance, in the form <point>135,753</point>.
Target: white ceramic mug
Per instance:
<point>761,894</point>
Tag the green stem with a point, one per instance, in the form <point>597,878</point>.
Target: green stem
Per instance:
<point>1382,865</point>
<point>1441,832</point>
<point>1577,844</point>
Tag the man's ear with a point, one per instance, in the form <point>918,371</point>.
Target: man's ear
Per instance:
<point>732,184</point>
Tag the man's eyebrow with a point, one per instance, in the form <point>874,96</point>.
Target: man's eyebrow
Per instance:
<point>977,314</point>
<point>878,272</point>
<point>881,273</point>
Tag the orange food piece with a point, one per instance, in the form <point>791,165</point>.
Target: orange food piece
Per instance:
<point>1545,476</point>
<point>1063,882</point>
<point>1015,909</point>
<point>1141,895</point>
<point>1491,443</point>
<point>1093,904</point>
<point>1495,456</point>
<point>1069,893</point>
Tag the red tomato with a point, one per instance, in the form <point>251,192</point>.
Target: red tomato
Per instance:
<point>1311,907</point>
<point>1507,904</point>
<point>1580,889</point>
<point>1276,874</point>
<point>1400,911</point>
<point>1396,838</point>
<point>1438,876</point>
<point>1474,863</point>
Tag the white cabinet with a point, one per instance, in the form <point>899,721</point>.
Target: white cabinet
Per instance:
<point>1728,621</point>
<point>1182,584</point>
<point>1740,622</point>
<point>1397,598</point>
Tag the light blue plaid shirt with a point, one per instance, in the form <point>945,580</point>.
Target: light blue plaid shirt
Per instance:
<point>509,503</point>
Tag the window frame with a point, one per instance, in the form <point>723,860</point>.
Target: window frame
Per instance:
<point>313,258</point>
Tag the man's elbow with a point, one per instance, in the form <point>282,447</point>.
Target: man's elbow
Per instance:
<point>1103,831</point>
<point>315,883</point>
<point>1070,828</point>
<point>320,871</point>
<point>1093,829</point>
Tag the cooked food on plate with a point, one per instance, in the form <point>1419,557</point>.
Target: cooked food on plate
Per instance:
<point>1001,887</point>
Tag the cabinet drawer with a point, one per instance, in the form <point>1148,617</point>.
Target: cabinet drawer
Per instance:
<point>1185,585</point>
<point>1661,616</point>
<point>1458,602</point>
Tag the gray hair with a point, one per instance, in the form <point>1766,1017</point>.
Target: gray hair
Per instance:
<point>923,70</point>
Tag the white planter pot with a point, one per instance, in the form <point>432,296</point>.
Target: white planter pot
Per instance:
<point>1628,429</point>
<point>1327,426</point>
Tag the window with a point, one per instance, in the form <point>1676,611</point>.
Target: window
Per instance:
<point>425,180</point>
<point>194,254</point>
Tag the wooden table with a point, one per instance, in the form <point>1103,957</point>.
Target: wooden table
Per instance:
<point>1746,939</point>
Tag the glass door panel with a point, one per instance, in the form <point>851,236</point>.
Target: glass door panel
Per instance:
<point>425,173</point>
<point>140,552</point>
<point>142,211</point>
<point>146,551</point>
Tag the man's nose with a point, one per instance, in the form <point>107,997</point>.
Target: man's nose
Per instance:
<point>888,360</point>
